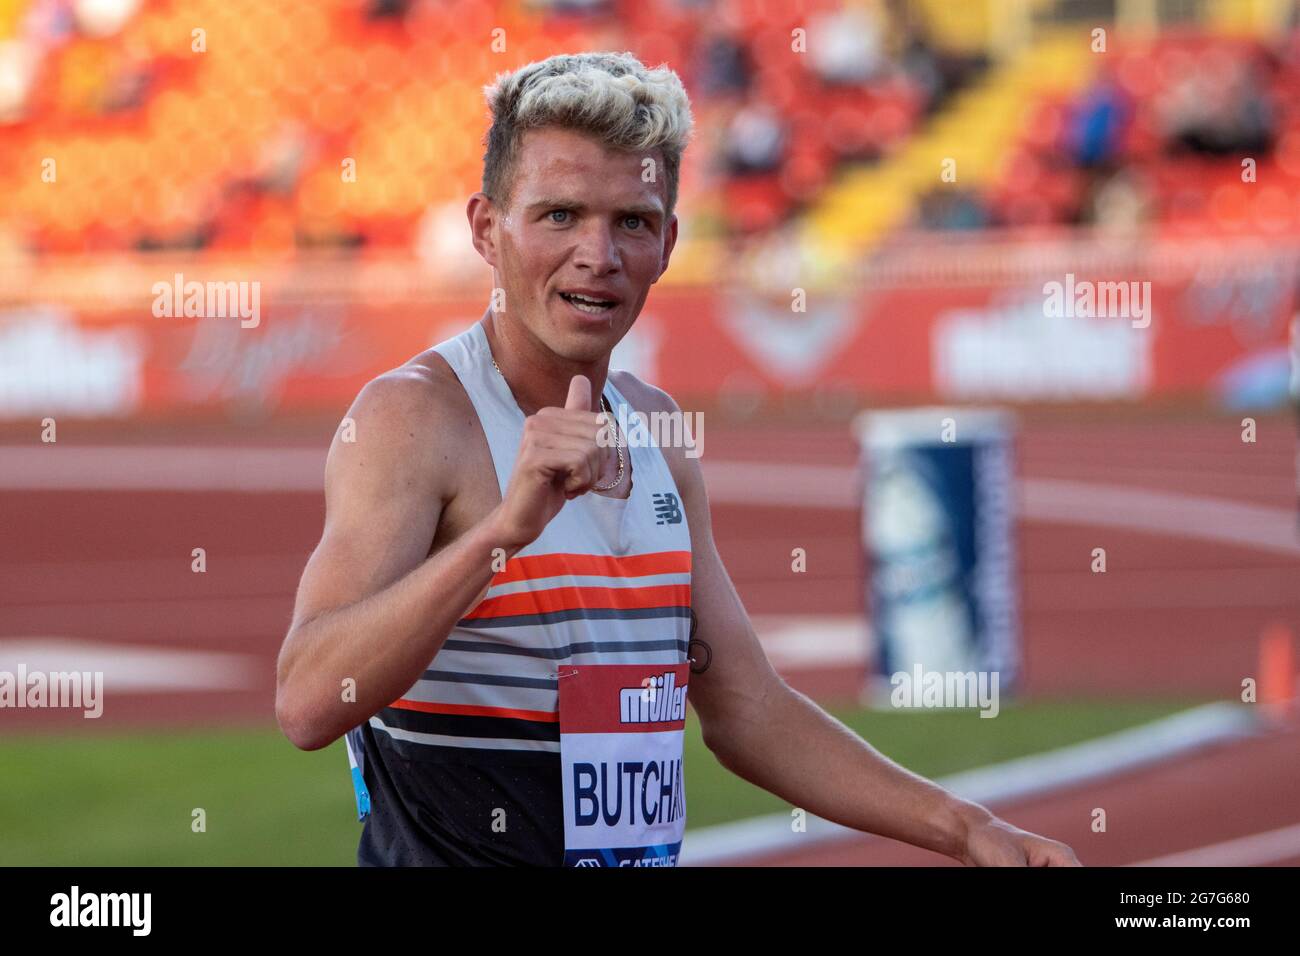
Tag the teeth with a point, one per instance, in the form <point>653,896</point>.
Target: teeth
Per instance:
<point>586,303</point>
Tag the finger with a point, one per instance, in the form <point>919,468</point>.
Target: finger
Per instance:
<point>551,413</point>
<point>1048,853</point>
<point>568,465</point>
<point>558,420</point>
<point>580,475</point>
<point>574,438</point>
<point>1062,856</point>
<point>562,442</point>
<point>579,399</point>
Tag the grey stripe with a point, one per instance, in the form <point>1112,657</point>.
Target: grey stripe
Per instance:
<point>568,650</point>
<point>474,743</point>
<point>480,695</point>
<point>587,614</point>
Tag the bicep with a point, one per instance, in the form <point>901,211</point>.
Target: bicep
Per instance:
<point>739,674</point>
<point>382,506</point>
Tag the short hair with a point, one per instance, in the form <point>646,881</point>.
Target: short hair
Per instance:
<point>611,96</point>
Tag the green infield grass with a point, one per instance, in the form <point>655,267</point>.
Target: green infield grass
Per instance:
<point>119,799</point>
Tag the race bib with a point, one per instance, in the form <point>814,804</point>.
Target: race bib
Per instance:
<point>621,729</point>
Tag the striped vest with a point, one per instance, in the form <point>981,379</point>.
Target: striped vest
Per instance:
<point>464,767</point>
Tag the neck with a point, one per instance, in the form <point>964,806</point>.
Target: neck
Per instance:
<point>538,377</point>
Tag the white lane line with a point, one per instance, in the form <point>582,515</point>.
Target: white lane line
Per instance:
<point>161,468</point>
<point>1162,512</point>
<point>786,485</point>
<point>998,783</point>
<point>1259,849</point>
<point>128,668</point>
<point>172,468</point>
<point>796,641</point>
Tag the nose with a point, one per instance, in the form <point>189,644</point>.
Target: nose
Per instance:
<point>597,250</point>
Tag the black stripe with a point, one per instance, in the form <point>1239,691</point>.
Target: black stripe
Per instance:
<point>577,613</point>
<point>496,680</point>
<point>462,756</point>
<point>568,650</point>
<point>463,725</point>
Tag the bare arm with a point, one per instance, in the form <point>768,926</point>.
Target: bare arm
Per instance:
<point>371,606</point>
<point>763,730</point>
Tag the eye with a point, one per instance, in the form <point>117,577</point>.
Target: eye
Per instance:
<point>633,222</point>
<point>562,213</point>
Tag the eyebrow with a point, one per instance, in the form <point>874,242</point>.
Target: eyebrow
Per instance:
<point>647,212</point>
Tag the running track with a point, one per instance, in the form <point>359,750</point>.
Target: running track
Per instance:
<point>1197,525</point>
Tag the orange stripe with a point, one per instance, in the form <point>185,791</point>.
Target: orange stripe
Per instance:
<point>472,710</point>
<point>567,599</point>
<point>628,566</point>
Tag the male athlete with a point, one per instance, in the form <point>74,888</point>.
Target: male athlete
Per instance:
<point>499,613</point>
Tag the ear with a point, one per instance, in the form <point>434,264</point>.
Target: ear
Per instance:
<point>482,215</point>
<point>670,242</point>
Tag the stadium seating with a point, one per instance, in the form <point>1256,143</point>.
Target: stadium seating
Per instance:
<point>238,126</point>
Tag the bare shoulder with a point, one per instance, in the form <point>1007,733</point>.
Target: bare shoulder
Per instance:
<point>424,388</point>
<point>403,429</point>
<point>643,396</point>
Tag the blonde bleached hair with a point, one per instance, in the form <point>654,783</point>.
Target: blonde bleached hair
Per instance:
<point>610,96</point>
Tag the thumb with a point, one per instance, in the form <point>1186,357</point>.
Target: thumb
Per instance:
<point>579,394</point>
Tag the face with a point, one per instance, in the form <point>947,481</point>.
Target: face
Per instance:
<point>579,245</point>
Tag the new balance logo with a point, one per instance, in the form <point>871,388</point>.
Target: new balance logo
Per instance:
<point>668,510</point>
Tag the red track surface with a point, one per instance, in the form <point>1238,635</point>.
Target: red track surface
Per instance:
<point>1172,614</point>
<point>1218,794</point>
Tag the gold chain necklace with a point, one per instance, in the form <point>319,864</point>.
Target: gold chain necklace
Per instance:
<point>618,440</point>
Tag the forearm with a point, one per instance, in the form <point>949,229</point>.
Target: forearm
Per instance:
<point>383,642</point>
<point>794,749</point>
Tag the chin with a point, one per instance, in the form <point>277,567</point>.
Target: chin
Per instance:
<point>586,339</point>
<point>585,349</point>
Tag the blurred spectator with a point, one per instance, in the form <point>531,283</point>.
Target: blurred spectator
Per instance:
<point>934,73</point>
<point>847,46</point>
<point>755,140</point>
<point>1120,203</point>
<point>101,18</point>
<point>45,25</point>
<point>129,84</point>
<point>574,6</point>
<point>17,70</point>
<point>722,64</point>
<point>386,9</point>
<point>282,158</point>
<point>948,207</point>
<point>48,23</point>
<point>921,66</point>
<point>1100,118</point>
<point>1220,111</point>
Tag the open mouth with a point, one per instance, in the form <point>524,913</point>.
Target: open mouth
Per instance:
<point>589,304</point>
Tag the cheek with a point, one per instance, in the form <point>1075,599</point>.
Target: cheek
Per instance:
<point>642,258</point>
<point>537,255</point>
